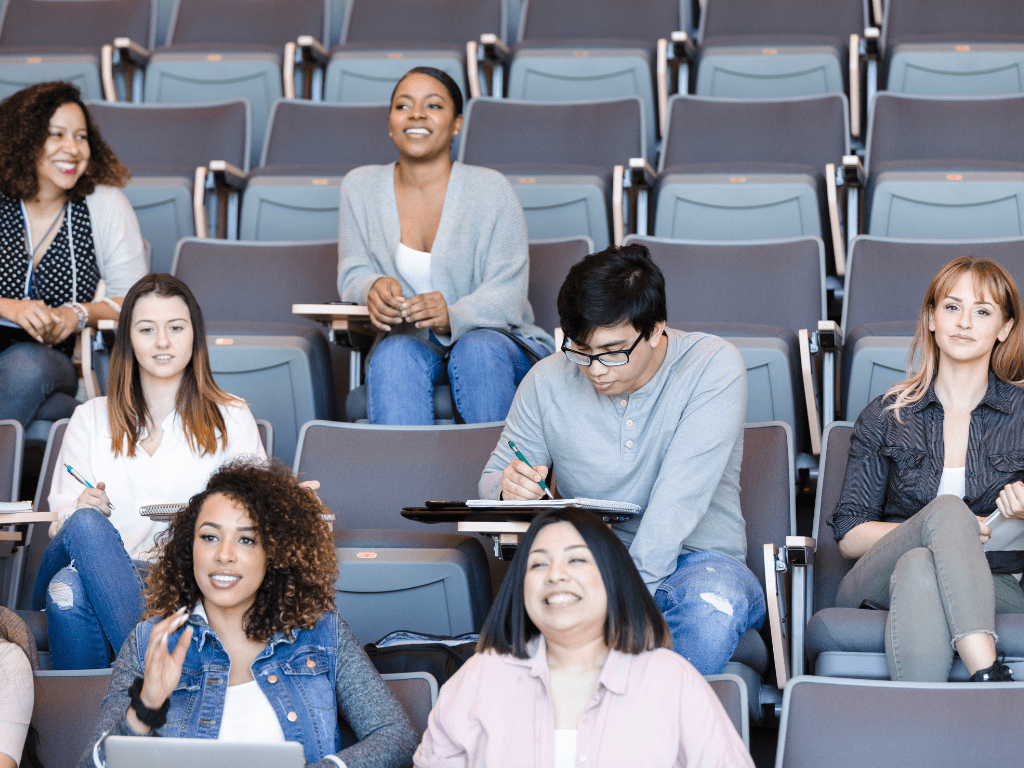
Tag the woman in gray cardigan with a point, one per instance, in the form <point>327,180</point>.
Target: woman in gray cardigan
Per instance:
<point>437,250</point>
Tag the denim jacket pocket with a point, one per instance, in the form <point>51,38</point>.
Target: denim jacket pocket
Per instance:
<point>307,660</point>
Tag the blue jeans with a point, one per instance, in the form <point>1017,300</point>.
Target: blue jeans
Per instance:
<point>92,593</point>
<point>709,601</point>
<point>484,369</point>
<point>30,373</point>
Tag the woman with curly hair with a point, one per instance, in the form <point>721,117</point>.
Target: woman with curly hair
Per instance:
<point>242,642</point>
<point>69,244</point>
<point>163,429</point>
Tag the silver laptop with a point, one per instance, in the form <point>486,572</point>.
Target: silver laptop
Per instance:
<point>143,752</point>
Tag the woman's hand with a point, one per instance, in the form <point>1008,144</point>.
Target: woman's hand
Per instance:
<point>1011,500</point>
<point>384,301</point>
<point>163,667</point>
<point>520,481</point>
<point>95,498</point>
<point>65,323</point>
<point>984,531</point>
<point>427,310</point>
<point>34,316</point>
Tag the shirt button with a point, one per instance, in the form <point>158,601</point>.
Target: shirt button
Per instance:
<point>310,663</point>
<point>292,717</point>
<point>622,403</point>
<point>629,423</point>
<point>583,758</point>
<point>272,679</point>
<point>629,443</point>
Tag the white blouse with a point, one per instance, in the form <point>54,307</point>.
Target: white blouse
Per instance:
<point>414,266</point>
<point>173,474</point>
<point>953,482</point>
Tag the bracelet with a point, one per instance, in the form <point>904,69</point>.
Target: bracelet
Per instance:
<point>154,718</point>
<point>82,312</point>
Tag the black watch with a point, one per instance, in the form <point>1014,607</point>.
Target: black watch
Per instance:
<point>153,718</point>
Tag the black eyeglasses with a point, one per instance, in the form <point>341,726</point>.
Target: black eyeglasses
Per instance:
<point>611,359</point>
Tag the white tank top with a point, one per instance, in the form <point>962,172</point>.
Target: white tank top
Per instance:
<point>953,482</point>
<point>414,266</point>
<point>565,748</point>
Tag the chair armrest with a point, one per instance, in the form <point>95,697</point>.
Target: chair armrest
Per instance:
<point>829,339</point>
<point>618,186</point>
<point>853,172</point>
<point>639,182</point>
<point>493,55</point>
<point>834,219</point>
<point>228,175</point>
<point>199,201</point>
<point>124,53</point>
<point>873,42</point>
<point>877,13</point>
<point>227,181</point>
<point>855,98</point>
<point>311,53</point>
<point>799,557</point>
<point>92,385</point>
<point>776,581</point>
<point>810,399</point>
<point>675,54</point>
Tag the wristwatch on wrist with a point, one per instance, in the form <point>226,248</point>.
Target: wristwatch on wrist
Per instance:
<point>153,718</point>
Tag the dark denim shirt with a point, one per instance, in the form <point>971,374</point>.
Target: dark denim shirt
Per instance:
<point>894,469</point>
<point>306,678</point>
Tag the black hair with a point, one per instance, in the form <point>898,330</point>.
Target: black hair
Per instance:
<point>617,285</point>
<point>633,625</point>
<point>442,77</point>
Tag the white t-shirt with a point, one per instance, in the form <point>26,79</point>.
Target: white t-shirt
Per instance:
<point>17,700</point>
<point>173,474</point>
<point>953,482</point>
<point>565,748</point>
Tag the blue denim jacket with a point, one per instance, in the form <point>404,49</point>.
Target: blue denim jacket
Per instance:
<point>300,678</point>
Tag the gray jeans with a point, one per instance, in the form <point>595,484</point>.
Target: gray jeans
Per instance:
<point>932,574</point>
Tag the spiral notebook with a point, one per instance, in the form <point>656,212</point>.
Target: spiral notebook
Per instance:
<point>604,505</point>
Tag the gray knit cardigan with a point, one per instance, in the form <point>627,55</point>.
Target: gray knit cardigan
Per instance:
<point>480,260</point>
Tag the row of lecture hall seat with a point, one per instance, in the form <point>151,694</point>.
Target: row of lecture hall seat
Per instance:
<point>438,583</point>
<point>354,50</point>
<point>728,169</point>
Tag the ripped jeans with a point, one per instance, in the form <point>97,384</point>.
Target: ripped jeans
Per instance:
<point>91,590</point>
<point>932,574</point>
<point>709,601</point>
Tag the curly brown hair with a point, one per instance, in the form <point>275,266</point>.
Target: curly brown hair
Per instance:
<point>298,587</point>
<point>24,126</point>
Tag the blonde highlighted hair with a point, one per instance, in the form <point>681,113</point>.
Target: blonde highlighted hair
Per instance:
<point>198,395</point>
<point>1007,360</point>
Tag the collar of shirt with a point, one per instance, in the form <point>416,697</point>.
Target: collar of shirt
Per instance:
<point>202,630</point>
<point>998,396</point>
<point>613,675</point>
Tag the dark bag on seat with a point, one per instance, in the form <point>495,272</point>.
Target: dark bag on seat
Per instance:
<point>415,652</point>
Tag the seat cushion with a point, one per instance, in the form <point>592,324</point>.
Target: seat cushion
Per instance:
<point>752,652</point>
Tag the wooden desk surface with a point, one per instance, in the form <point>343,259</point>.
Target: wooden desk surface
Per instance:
<point>341,317</point>
<point>16,518</point>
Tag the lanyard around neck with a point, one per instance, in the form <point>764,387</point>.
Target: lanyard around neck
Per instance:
<point>32,250</point>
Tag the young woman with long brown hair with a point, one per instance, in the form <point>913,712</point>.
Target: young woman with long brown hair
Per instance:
<point>163,429</point>
<point>928,461</point>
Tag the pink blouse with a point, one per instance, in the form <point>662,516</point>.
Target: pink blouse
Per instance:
<point>651,709</point>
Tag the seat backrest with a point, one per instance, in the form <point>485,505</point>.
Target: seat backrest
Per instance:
<point>810,131</point>
<point>976,133</point>
<point>583,20</point>
<point>417,693</point>
<point>952,21</point>
<point>767,489</point>
<point>452,22</point>
<point>732,692</point>
<point>829,565</point>
<point>550,261</point>
<point>66,711</point>
<point>886,280</point>
<point>236,281</point>
<point>324,134</point>
<point>832,20</point>
<point>246,22</point>
<point>77,24</point>
<point>53,443</point>
<point>505,132</point>
<point>917,725</point>
<point>12,445</point>
<point>781,282</point>
<point>165,138</point>
<point>367,473</point>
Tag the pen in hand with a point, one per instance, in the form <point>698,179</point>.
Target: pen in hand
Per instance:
<point>83,481</point>
<point>522,458</point>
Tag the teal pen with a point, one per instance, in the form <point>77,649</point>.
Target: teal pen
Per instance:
<point>71,471</point>
<point>523,459</point>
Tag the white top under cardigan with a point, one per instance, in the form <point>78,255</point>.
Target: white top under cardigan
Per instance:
<point>171,475</point>
<point>120,254</point>
<point>480,259</point>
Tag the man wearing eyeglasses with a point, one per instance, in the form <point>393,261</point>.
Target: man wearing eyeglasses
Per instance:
<point>637,412</point>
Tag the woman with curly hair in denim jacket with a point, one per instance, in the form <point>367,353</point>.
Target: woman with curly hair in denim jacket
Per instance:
<point>245,582</point>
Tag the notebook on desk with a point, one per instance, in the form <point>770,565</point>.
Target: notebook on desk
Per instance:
<point>138,751</point>
<point>489,510</point>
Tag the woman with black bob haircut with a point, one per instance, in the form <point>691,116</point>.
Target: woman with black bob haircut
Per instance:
<point>244,582</point>
<point>70,245</point>
<point>574,663</point>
